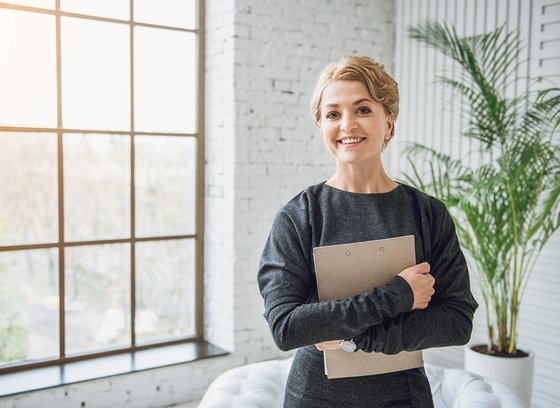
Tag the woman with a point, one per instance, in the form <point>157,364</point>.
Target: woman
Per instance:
<point>355,105</point>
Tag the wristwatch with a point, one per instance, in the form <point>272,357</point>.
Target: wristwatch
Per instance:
<point>348,345</point>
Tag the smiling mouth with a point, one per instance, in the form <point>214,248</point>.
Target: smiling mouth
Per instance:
<point>351,140</point>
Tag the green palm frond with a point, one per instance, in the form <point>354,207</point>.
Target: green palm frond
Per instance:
<point>449,178</point>
<point>548,103</point>
<point>489,63</point>
<point>507,207</point>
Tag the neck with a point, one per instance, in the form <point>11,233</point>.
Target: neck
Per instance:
<point>362,179</point>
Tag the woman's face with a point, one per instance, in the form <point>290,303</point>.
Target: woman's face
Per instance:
<point>352,124</point>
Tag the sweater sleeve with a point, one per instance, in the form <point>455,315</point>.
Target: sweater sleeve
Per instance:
<point>447,321</point>
<point>287,283</point>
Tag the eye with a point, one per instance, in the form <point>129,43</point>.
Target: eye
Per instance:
<point>364,110</point>
<point>331,115</point>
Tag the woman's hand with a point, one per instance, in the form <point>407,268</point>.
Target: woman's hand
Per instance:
<point>421,283</point>
<point>329,345</point>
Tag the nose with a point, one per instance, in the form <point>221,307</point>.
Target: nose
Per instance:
<point>348,123</point>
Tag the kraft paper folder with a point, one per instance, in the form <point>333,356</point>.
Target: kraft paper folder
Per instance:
<point>352,269</point>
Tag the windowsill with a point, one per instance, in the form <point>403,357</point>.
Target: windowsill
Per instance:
<point>71,373</point>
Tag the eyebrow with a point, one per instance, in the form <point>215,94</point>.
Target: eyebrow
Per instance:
<point>334,105</point>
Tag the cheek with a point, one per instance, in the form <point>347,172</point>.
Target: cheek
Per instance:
<point>325,132</point>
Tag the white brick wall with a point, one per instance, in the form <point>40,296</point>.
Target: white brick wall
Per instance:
<point>220,197</point>
<point>262,148</point>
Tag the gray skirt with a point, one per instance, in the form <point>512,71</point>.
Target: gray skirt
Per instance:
<point>308,387</point>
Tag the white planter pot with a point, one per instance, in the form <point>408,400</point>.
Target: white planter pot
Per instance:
<point>514,372</point>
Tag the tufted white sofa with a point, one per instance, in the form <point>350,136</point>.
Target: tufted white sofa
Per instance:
<point>261,385</point>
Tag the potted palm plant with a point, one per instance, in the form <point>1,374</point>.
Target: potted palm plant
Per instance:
<point>507,205</point>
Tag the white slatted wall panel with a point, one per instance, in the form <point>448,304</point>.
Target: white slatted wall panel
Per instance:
<point>540,318</point>
<point>429,116</point>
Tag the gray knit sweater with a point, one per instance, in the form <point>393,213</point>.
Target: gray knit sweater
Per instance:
<point>322,215</point>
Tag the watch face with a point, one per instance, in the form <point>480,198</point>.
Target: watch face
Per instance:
<point>348,345</point>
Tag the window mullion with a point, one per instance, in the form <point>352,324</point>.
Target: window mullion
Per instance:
<point>199,191</point>
<point>132,189</point>
<point>132,248</point>
<point>61,249</point>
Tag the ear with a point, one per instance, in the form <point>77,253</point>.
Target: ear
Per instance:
<point>389,126</point>
<point>321,130</point>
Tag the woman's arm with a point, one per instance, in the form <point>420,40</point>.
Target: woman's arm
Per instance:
<point>287,283</point>
<point>447,321</point>
<point>422,284</point>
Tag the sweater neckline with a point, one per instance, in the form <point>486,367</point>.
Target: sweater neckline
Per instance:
<point>387,193</point>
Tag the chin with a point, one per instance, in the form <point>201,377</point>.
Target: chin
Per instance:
<point>355,160</point>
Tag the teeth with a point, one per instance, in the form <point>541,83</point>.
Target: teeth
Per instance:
<point>351,140</point>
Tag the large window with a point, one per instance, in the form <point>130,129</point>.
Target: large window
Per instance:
<point>101,178</point>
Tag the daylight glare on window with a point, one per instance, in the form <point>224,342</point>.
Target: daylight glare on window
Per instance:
<point>28,71</point>
<point>99,147</point>
<point>95,74</point>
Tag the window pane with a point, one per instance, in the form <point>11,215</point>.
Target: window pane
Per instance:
<point>176,13</point>
<point>164,81</point>
<point>164,185</point>
<point>95,75</point>
<point>46,4</point>
<point>28,82</point>
<point>28,188</point>
<point>119,9</point>
<point>97,297</point>
<point>29,305</point>
<point>96,187</point>
<point>164,289</point>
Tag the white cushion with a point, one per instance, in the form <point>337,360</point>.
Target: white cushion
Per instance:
<point>261,385</point>
<point>454,388</point>
<point>253,385</point>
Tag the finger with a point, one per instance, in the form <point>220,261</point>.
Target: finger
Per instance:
<point>424,267</point>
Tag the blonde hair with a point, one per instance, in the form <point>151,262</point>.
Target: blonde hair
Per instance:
<point>381,86</point>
